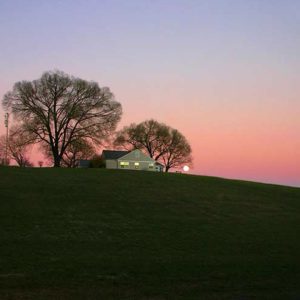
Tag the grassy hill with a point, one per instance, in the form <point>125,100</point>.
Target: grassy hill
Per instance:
<point>106,234</point>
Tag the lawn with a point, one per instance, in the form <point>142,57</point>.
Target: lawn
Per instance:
<point>109,234</point>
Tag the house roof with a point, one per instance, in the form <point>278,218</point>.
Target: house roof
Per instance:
<point>115,154</point>
<point>112,154</point>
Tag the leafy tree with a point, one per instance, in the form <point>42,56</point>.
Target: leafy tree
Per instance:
<point>58,110</point>
<point>161,142</point>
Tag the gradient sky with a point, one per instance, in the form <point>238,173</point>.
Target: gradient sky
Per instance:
<point>225,73</point>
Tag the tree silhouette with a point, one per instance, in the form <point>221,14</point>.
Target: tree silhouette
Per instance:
<point>58,110</point>
<point>161,142</point>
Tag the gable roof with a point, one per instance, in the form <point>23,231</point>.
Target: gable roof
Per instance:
<point>112,154</point>
<point>115,154</point>
<point>138,155</point>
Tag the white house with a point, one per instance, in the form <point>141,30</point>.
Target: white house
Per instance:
<point>130,160</point>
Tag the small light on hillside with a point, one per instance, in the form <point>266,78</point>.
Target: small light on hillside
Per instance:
<point>186,168</point>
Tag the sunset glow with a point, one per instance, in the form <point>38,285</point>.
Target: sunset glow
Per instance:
<point>224,73</point>
<point>186,168</point>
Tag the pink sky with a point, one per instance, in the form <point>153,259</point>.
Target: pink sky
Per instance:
<point>231,134</point>
<point>224,73</point>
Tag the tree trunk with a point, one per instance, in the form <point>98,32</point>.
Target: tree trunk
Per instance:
<point>167,169</point>
<point>57,160</point>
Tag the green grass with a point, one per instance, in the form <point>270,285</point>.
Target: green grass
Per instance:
<point>106,234</point>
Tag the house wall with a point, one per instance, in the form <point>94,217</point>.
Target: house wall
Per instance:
<point>142,165</point>
<point>134,157</point>
<point>130,160</point>
<point>159,168</point>
<point>111,164</point>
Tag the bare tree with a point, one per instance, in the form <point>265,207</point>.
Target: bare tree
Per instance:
<point>4,160</point>
<point>18,145</point>
<point>161,142</point>
<point>178,151</point>
<point>59,109</point>
<point>77,150</point>
<point>149,135</point>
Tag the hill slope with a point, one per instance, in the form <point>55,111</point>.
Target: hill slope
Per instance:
<point>103,234</point>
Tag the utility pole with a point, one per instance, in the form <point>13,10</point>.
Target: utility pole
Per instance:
<point>6,144</point>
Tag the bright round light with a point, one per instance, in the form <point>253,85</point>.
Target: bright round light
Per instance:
<point>186,168</point>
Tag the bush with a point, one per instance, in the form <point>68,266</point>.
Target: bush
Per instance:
<point>97,162</point>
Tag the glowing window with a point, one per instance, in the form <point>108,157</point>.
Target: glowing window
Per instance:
<point>151,166</point>
<point>124,164</point>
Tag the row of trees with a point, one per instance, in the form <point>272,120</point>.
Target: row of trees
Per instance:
<point>69,118</point>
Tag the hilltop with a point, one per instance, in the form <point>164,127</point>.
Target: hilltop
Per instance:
<point>109,234</point>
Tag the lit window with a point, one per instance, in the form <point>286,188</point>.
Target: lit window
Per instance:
<point>151,166</point>
<point>136,165</point>
<point>124,164</point>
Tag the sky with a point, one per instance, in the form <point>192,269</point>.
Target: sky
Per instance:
<point>225,73</point>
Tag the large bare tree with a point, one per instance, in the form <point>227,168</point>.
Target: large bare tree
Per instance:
<point>161,142</point>
<point>59,109</point>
